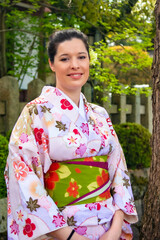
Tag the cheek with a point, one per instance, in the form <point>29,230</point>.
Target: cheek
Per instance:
<point>87,69</point>
<point>60,70</point>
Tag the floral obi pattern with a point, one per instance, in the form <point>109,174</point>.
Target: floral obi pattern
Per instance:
<point>78,181</point>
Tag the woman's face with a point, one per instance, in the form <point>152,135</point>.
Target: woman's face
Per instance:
<point>71,65</point>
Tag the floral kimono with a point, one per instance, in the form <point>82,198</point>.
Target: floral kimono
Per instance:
<point>65,168</point>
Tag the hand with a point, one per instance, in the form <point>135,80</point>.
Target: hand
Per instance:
<point>76,236</point>
<point>115,230</point>
<point>110,235</point>
<point>83,238</point>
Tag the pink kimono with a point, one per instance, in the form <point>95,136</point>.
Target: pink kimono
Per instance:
<point>52,129</point>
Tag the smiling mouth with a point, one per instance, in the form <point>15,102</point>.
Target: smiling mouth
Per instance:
<point>75,74</point>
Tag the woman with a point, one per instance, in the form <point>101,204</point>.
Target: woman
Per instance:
<point>66,174</point>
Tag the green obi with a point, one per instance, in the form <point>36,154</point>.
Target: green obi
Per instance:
<point>78,181</point>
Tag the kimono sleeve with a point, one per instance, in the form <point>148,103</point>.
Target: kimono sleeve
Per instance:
<point>121,186</point>
<point>31,212</point>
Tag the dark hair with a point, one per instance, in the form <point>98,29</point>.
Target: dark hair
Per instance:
<point>62,35</point>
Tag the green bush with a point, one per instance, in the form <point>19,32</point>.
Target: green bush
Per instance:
<point>135,141</point>
<point>3,157</point>
<point>8,134</point>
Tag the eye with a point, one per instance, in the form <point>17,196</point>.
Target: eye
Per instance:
<point>64,59</point>
<point>82,57</point>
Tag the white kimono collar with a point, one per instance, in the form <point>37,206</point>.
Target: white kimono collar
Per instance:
<point>80,110</point>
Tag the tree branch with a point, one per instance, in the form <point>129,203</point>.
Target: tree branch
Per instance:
<point>19,30</point>
<point>73,12</point>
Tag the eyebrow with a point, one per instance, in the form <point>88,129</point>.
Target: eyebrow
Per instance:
<point>66,54</point>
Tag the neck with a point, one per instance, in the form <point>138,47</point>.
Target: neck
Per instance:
<point>73,95</point>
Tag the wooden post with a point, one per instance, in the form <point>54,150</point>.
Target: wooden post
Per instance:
<point>9,96</point>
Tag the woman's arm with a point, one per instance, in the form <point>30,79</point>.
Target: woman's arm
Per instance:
<point>114,232</point>
<point>63,234</point>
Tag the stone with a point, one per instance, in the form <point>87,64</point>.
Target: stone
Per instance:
<point>34,89</point>
<point>9,95</point>
<point>136,234</point>
<point>139,207</point>
<point>3,215</point>
<point>51,79</point>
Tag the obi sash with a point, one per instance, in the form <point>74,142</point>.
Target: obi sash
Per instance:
<point>78,181</point>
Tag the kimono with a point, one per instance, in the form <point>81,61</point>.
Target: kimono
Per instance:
<point>53,131</point>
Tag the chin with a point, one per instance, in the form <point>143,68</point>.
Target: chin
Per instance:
<point>77,85</point>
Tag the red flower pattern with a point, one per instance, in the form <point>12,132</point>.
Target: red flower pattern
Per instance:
<point>37,101</point>
<point>66,104</point>
<point>129,208</point>
<point>20,169</point>
<point>14,227</point>
<point>77,170</point>
<point>76,131</point>
<point>92,151</point>
<point>58,220</point>
<point>89,159</point>
<point>81,230</point>
<point>51,176</point>
<point>38,135</point>
<point>91,206</point>
<point>9,207</point>
<point>57,92</point>
<point>86,108</point>
<point>96,129</point>
<point>72,189</point>
<point>110,126</point>
<point>101,180</point>
<point>29,228</point>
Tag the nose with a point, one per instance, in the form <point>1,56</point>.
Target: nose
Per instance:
<point>74,63</point>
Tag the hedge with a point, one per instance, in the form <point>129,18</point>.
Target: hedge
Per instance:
<point>3,157</point>
<point>135,141</point>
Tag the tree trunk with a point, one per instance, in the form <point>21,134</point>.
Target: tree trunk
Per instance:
<point>151,220</point>
<point>41,49</point>
<point>3,65</point>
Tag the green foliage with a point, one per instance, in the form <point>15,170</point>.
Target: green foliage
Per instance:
<point>3,158</point>
<point>119,65</point>
<point>135,141</point>
<point>117,22</point>
<point>8,134</point>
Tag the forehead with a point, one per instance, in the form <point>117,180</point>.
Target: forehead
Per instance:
<point>71,46</point>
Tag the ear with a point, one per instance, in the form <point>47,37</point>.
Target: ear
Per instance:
<point>51,65</point>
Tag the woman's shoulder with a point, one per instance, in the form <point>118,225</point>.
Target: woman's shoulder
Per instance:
<point>98,109</point>
<point>32,107</point>
<point>41,99</point>
<point>37,101</point>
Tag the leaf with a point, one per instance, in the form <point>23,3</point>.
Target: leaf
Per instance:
<point>32,204</point>
<point>92,186</point>
<point>63,172</point>
<point>72,180</point>
<point>98,199</point>
<point>66,194</point>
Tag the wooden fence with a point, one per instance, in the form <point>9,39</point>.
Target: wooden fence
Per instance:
<point>121,108</point>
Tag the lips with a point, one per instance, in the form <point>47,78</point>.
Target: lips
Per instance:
<point>75,75</point>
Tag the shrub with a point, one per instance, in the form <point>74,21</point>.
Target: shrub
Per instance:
<point>3,157</point>
<point>8,134</point>
<point>135,141</point>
